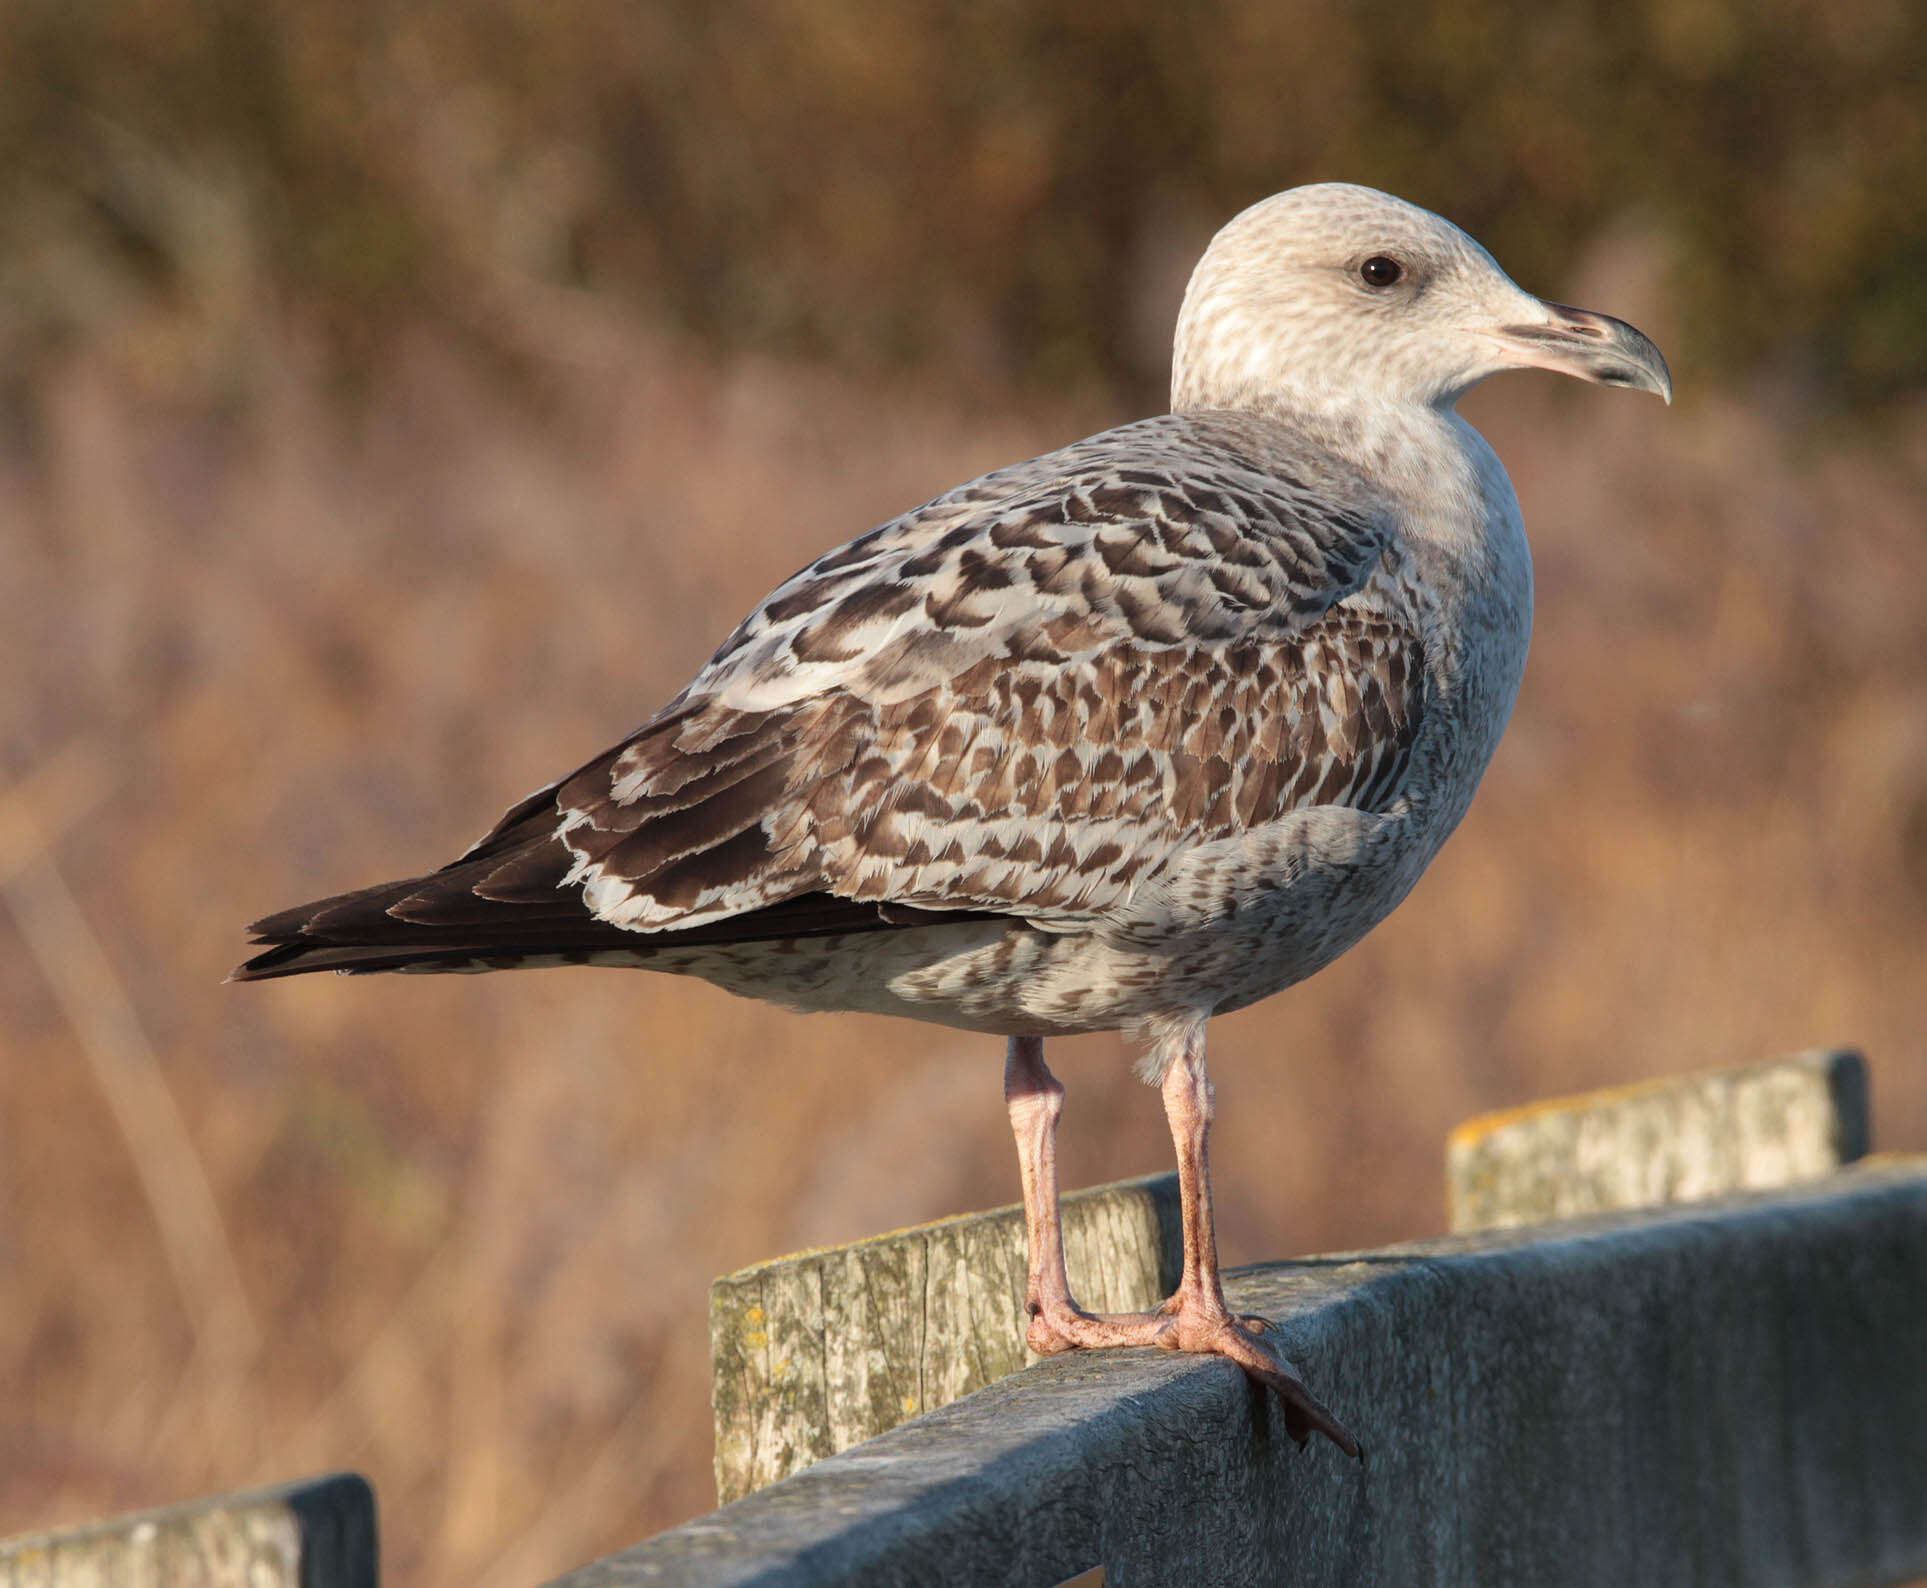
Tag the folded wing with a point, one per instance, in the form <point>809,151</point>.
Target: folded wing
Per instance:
<point>1022,700</point>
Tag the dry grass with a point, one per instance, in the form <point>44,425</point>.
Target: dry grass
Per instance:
<point>459,1230</point>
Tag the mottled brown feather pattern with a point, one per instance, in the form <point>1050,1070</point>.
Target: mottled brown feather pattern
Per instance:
<point>1022,700</point>
<point>1144,729</point>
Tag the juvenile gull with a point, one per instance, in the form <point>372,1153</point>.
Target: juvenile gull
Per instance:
<point>1141,730</point>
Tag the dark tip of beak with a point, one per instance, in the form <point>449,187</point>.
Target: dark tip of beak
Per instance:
<point>1594,347</point>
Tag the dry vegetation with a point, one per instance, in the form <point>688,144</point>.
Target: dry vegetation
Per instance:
<point>975,187</point>
<point>350,488</point>
<point>456,1232</point>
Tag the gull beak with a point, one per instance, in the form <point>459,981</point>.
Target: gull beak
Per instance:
<point>1594,347</point>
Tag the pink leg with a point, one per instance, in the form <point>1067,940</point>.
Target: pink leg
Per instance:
<point>1035,1098</point>
<point>1195,1318</point>
<point>1201,1320</point>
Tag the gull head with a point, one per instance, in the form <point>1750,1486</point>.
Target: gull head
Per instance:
<point>1341,296</point>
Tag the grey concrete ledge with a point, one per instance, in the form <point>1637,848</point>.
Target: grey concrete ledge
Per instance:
<point>1730,1392</point>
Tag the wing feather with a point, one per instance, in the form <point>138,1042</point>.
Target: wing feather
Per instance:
<point>1027,711</point>
<point>1025,699</point>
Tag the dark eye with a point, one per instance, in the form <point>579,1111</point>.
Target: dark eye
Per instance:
<point>1380,271</point>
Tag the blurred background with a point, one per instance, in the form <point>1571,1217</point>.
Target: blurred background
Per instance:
<point>397,403</point>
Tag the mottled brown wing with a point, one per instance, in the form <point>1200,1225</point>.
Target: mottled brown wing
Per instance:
<point>1026,698</point>
<point>1047,792</point>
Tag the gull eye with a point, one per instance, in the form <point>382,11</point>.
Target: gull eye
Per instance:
<point>1381,270</point>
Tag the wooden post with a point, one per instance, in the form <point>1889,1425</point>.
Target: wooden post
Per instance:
<point>1723,1392</point>
<point>819,1351</point>
<point>315,1533</point>
<point>1680,1139</point>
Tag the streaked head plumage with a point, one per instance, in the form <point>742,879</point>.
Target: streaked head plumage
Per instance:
<point>1339,295</point>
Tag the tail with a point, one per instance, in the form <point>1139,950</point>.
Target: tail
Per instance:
<point>507,904</point>
<point>491,912</point>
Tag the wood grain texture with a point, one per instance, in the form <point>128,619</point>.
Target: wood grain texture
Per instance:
<point>1680,1139</point>
<point>315,1533</point>
<point>1727,1392</point>
<point>816,1352</point>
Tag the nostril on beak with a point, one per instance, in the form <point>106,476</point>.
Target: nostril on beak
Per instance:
<point>1568,321</point>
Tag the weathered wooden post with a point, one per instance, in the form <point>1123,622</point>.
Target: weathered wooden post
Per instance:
<point>1681,1138</point>
<point>819,1351</point>
<point>1732,1390</point>
<point>315,1533</point>
<point>1724,1391</point>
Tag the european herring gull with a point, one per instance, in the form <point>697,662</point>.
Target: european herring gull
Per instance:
<point>1141,730</point>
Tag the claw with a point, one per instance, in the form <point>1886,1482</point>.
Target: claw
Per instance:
<point>1205,1331</point>
<point>1304,1412</point>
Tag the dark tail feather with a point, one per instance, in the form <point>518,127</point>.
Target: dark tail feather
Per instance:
<point>297,959</point>
<point>479,914</point>
<point>505,904</point>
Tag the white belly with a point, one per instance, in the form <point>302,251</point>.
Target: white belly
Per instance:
<point>1233,923</point>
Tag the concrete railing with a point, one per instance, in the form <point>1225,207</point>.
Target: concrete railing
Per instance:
<point>818,1352</point>
<point>1730,1390</point>
<point>1733,1392</point>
